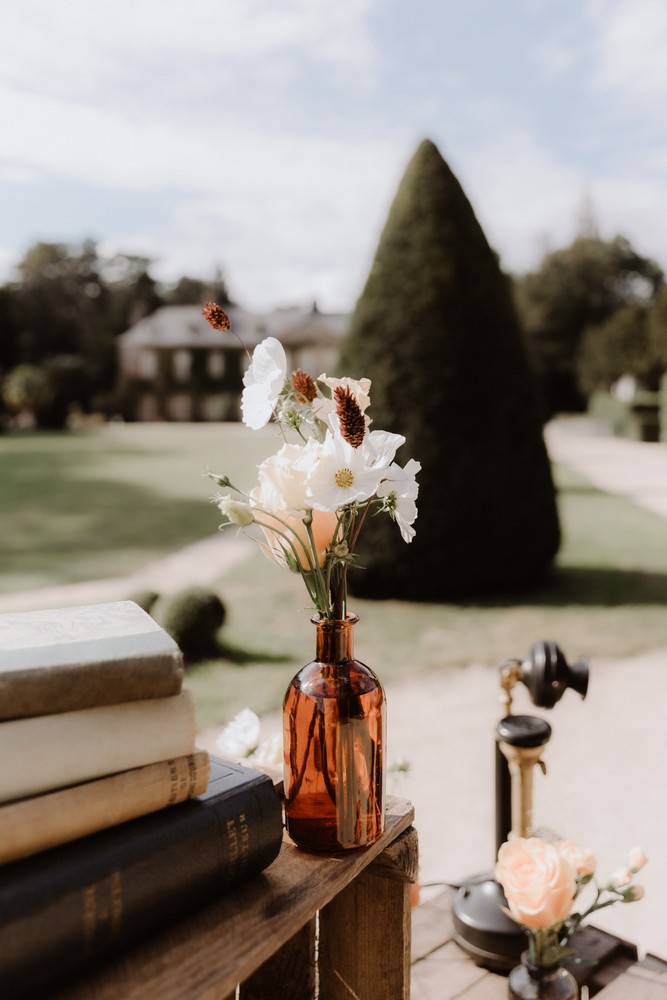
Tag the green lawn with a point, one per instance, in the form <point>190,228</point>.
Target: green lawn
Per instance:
<point>103,502</point>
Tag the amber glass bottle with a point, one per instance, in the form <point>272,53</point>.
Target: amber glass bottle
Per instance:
<point>334,737</point>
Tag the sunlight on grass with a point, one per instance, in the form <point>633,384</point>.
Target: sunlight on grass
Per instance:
<point>102,503</point>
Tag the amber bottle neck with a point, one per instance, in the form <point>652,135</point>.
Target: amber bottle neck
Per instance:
<point>334,639</point>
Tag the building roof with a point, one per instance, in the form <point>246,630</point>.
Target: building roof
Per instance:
<point>185,327</point>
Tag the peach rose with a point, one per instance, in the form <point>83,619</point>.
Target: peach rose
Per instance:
<point>581,859</point>
<point>277,549</point>
<point>538,882</point>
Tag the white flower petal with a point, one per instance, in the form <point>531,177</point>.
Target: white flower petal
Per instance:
<point>382,446</point>
<point>263,381</point>
<point>402,485</point>
<point>240,737</point>
<point>256,406</point>
<point>342,475</point>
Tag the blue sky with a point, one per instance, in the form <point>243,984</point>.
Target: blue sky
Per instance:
<point>268,137</point>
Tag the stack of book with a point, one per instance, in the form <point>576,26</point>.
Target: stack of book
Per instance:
<point>112,822</point>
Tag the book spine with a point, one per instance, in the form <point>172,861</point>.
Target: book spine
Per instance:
<point>64,911</point>
<point>53,751</point>
<point>54,818</point>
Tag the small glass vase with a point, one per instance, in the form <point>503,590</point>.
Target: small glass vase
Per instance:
<point>535,982</point>
<point>334,734</point>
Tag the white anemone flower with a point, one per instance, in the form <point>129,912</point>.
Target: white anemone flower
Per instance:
<point>341,475</point>
<point>263,381</point>
<point>401,487</point>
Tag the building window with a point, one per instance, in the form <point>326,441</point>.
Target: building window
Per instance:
<point>146,364</point>
<point>180,407</point>
<point>216,364</point>
<point>182,363</point>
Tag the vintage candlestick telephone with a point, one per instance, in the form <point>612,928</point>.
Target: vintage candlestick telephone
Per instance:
<point>481,926</point>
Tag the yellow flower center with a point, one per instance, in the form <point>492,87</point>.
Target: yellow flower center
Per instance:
<point>344,478</point>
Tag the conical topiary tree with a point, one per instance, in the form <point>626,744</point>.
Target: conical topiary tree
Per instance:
<point>436,331</point>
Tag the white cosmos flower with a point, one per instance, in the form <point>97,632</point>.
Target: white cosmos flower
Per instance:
<point>341,475</point>
<point>401,487</point>
<point>382,446</point>
<point>263,381</point>
<point>324,408</point>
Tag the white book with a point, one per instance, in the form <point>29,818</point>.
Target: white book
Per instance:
<point>52,751</point>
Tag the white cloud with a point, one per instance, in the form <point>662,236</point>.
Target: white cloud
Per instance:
<point>259,136</point>
<point>626,206</point>
<point>631,48</point>
<point>523,198</point>
<point>68,46</point>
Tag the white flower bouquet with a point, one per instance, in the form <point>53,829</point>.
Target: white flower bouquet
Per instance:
<point>314,494</point>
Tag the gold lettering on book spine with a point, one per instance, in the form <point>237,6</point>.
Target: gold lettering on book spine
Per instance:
<point>192,775</point>
<point>233,836</point>
<point>245,837</point>
<point>102,911</point>
<point>173,782</point>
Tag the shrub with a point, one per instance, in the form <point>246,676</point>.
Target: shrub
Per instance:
<point>436,331</point>
<point>192,617</point>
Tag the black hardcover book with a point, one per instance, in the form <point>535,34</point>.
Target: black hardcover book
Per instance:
<point>71,907</point>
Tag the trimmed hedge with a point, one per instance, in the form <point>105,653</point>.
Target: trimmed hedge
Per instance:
<point>436,331</point>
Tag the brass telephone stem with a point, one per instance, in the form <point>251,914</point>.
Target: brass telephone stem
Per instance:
<point>521,762</point>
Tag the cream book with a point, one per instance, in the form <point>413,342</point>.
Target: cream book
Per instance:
<point>53,818</point>
<point>64,659</point>
<point>52,751</point>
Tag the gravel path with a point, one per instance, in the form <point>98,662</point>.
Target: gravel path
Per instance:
<point>199,563</point>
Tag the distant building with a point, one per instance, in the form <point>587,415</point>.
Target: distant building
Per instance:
<point>174,366</point>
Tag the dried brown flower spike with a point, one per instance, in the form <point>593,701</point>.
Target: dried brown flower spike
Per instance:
<point>304,386</point>
<point>352,420</point>
<point>216,317</point>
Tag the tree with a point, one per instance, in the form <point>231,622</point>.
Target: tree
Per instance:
<point>190,291</point>
<point>619,346</point>
<point>63,312</point>
<point>9,328</point>
<point>62,307</point>
<point>133,292</point>
<point>436,331</point>
<point>657,321</point>
<point>21,391</point>
<point>574,288</point>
